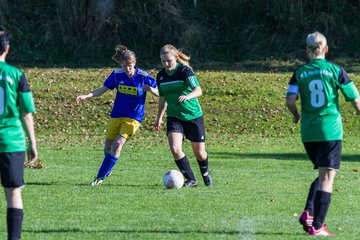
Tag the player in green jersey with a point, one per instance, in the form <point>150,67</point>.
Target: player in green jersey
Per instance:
<point>178,90</point>
<point>318,83</point>
<point>16,107</point>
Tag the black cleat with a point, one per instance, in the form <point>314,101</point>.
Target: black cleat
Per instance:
<point>207,179</point>
<point>190,183</point>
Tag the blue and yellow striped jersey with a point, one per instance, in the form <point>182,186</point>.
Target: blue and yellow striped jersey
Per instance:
<point>130,98</point>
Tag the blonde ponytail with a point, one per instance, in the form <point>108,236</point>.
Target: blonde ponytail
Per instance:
<point>180,56</point>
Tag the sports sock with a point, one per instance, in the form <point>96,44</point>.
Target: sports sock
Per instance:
<point>309,206</point>
<point>14,219</point>
<point>321,206</point>
<point>184,166</point>
<point>106,166</point>
<point>203,166</point>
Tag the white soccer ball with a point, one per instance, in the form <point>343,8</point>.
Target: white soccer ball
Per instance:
<point>173,179</point>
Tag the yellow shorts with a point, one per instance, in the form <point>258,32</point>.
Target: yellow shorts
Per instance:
<point>126,127</point>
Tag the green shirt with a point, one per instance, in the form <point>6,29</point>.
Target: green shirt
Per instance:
<point>15,99</point>
<point>318,83</point>
<point>172,85</point>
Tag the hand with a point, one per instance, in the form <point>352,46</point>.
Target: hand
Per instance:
<point>157,125</point>
<point>80,98</point>
<point>33,161</point>
<point>183,98</point>
<point>146,88</point>
<point>297,119</point>
<point>31,164</point>
<point>32,155</point>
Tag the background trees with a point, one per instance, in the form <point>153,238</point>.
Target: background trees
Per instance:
<point>86,31</point>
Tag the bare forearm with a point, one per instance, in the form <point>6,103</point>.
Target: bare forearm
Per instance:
<point>356,104</point>
<point>162,107</point>
<point>93,93</point>
<point>293,110</point>
<point>291,105</point>
<point>197,92</point>
<point>28,125</point>
<point>154,91</point>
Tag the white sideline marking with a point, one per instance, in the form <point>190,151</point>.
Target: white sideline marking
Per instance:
<point>247,229</point>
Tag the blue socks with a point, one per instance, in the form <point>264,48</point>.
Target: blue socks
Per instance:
<point>106,166</point>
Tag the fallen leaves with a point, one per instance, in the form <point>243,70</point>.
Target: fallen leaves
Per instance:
<point>36,165</point>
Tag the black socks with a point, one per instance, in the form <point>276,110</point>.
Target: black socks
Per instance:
<point>311,197</point>
<point>321,206</point>
<point>184,166</point>
<point>14,223</point>
<point>203,166</point>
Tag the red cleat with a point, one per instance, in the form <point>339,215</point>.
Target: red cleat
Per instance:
<point>321,232</point>
<point>306,221</point>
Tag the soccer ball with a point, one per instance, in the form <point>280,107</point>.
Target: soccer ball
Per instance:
<point>173,179</point>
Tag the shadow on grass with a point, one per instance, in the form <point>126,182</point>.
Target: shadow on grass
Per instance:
<point>40,183</point>
<point>127,231</point>
<point>276,156</point>
<point>153,186</point>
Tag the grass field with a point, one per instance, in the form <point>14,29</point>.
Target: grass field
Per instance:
<point>260,171</point>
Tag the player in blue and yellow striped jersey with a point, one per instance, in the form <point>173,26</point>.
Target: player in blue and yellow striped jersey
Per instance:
<point>16,107</point>
<point>131,84</point>
<point>318,83</point>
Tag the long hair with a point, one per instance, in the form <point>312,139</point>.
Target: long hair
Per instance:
<point>180,56</point>
<point>122,54</point>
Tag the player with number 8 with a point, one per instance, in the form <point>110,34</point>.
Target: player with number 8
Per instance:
<point>318,83</point>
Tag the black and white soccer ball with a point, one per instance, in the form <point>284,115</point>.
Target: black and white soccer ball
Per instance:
<point>173,179</point>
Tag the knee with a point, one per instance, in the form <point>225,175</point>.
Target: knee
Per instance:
<point>176,151</point>
<point>327,175</point>
<point>13,197</point>
<point>201,155</point>
<point>116,148</point>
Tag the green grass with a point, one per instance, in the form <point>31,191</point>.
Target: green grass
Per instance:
<point>261,173</point>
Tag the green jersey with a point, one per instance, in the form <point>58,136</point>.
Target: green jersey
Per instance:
<point>15,99</point>
<point>172,85</point>
<point>318,83</point>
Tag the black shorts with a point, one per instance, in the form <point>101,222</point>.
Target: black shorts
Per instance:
<point>325,155</point>
<point>12,169</point>
<point>193,130</point>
